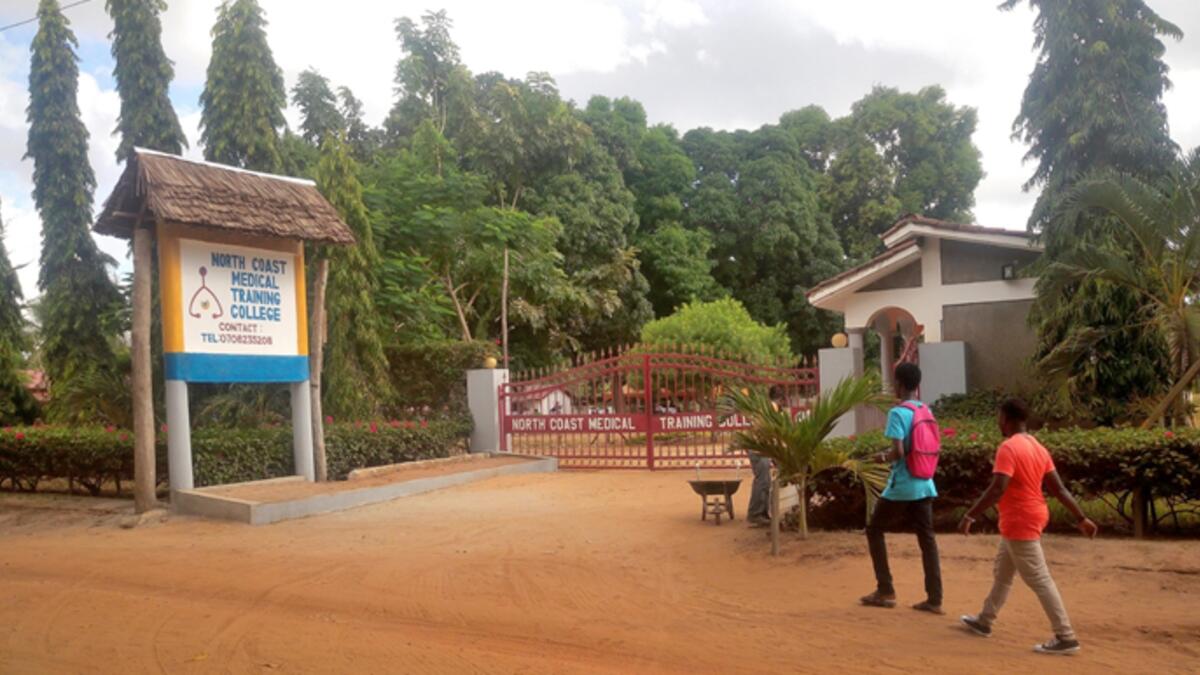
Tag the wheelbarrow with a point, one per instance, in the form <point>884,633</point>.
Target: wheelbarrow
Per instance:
<point>716,497</point>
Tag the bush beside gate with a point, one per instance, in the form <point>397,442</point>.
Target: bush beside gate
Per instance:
<point>95,457</point>
<point>1106,464</point>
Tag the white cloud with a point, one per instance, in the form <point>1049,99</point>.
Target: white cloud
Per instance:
<point>673,14</point>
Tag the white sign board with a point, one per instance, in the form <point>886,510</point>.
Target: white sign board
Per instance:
<point>238,300</point>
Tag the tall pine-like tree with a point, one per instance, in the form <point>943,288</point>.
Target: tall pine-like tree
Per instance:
<point>16,403</point>
<point>143,74</point>
<point>78,298</point>
<point>319,115</point>
<point>355,372</point>
<point>241,109</point>
<point>1094,103</point>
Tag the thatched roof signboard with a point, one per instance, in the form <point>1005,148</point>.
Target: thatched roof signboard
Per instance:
<point>189,192</point>
<point>232,289</point>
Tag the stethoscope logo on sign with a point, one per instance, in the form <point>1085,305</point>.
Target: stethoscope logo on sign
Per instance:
<point>205,299</point>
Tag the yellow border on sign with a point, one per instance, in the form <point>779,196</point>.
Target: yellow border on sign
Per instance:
<point>171,280</point>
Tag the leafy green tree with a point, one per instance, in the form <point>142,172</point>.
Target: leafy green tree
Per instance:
<point>758,197</point>
<point>442,247</point>
<point>525,134</point>
<point>660,175</point>
<point>678,267</point>
<point>241,108</point>
<point>1094,103</point>
<point>79,300</point>
<point>895,153</point>
<point>356,385</point>
<point>596,211</point>
<point>364,141</point>
<point>297,157</point>
<point>723,326</point>
<point>320,118</point>
<point>143,74</point>
<point>1159,272</point>
<point>430,79</point>
<point>16,403</point>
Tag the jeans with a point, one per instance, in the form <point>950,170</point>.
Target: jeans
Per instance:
<point>919,516</point>
<point>760,489</point>
<point>1027,559</point>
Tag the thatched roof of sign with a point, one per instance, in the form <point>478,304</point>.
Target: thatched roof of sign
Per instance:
<point>221,197</point>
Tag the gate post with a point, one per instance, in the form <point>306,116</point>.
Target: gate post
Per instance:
<point>648,402</point>
<point>483,399</point>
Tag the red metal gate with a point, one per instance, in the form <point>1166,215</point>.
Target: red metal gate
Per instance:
<point>642,407</point>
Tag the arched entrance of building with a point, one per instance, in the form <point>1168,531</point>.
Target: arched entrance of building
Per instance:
<point>899,334</point>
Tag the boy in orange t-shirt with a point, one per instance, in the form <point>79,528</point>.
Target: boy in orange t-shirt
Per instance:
<point>1021,468</point>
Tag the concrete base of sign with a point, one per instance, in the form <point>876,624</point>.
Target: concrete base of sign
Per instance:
<point>203,502</point>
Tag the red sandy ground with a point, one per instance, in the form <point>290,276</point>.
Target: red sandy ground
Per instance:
<point>569,572</point>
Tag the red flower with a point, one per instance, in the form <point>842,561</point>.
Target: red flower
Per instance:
<point>110,428</point>
<point>974,437</point>
<point>1169,434</point>
<point>163,428</point>
<point>124,437</point>
<point>949,432</point>
<point>374,427</point>
<point>394,424</point>
<point>424,424</point>
<point>852,437</point>
<point>20,436</point>
<point>408,424</point>
<point>329,419</point>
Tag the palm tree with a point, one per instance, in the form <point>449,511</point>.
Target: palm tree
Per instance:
<point>797,444</point>
<point>1157,259</point>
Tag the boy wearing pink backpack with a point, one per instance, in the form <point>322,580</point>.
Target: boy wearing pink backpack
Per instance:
<point>908,497</point>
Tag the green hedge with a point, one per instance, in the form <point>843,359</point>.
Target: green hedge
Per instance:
<point>1101,463</point>
<point>433,375</point>
<point>92,457</point>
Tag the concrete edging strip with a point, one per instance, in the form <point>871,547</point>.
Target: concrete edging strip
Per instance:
<point>199,502</point>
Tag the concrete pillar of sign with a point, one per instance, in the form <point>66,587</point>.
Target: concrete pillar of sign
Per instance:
<point>302,438</point>
<point>483,399</point>
<point>179,436</point>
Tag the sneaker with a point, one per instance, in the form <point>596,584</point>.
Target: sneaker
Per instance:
<point>1058,646</point>
<point>976,626</point>
<point>759,522</point>
<point>877,599</point>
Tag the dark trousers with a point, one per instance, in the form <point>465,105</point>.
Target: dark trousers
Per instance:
<point>917,515</point>
<point>760,489</point>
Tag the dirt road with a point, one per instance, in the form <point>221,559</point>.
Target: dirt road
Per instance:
<point>570,572</point>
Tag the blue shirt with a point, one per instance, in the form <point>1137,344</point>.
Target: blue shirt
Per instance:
<point>901,486</point>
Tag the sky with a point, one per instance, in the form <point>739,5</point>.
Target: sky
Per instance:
<point>725,64</point>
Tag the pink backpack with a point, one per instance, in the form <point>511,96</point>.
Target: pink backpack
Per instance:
<point>925,442</point>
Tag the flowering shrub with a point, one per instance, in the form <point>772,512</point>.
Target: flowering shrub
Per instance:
<point>92,457</point>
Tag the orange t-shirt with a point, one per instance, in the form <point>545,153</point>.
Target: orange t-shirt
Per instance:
<point>1023,510</point>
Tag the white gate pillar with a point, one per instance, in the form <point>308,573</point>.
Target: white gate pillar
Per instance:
<point>836,365</point>
<point>483,399</point>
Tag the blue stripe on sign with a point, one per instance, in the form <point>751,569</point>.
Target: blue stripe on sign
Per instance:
<point>235,368</point>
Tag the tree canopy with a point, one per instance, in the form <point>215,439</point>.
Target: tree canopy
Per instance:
<point>143,74</point>
<point>1094,104</point>
<point>241,108</point>
<point>79,301</point>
